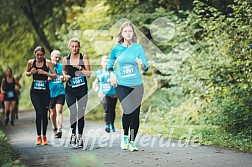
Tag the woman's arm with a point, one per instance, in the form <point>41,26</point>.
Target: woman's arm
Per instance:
<point>141,60</point>
<point>86,70</point>
<point>29,70</point>
<point>2,85</point>
<point>18,84</point>
<point>53,74</point>
<point>95,84</point>
<point>113,79</point>
<point>64,70</point>
<point>111,61</point>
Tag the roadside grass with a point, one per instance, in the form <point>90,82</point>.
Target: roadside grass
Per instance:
<point>181,119</point>
<point>200,134</point>
<point>7,156</point>
<point>194,134</point>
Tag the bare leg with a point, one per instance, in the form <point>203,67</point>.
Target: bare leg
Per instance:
<point>12,106</point>
<point>53,118</point>
<point>16,110</point>
<point>7,112</point>
<point>59,120</point>
<point>59,115</point>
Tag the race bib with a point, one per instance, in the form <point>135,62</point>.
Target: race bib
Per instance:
<point>105,87</point>
<point>39,84</point>
<point>127,71</point>
<point>77,81</point>
<point>9,94</point>
<point>57,80</point>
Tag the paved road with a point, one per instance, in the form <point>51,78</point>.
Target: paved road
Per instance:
<point>102,149</point>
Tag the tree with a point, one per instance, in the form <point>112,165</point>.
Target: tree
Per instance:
<point>28,23</point>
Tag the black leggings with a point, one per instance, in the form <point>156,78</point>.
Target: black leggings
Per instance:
<point>108,105</point>
<point>76,100</point>
<point>40,101</point>
<point>130,98</point>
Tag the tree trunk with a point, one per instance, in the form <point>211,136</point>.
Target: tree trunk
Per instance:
<point>28,11</point>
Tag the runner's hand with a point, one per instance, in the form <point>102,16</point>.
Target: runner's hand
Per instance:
<point>67,77</point>
<point>40,71</point>
<point>113,79</point>
<point>139,62</point>
<point>33,71</point>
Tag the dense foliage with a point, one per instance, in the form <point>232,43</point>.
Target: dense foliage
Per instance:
<point>229,42</point>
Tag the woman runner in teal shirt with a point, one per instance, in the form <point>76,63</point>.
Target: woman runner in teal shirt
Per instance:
<point>106,95</point>
<point>129,56</point>
<point>57,95</point>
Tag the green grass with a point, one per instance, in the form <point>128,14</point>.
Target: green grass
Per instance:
<point>7,155</point>
<point>180,118</point>
<point>202,134</point>
<point>219,137</point>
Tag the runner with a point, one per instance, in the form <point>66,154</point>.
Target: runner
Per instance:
<point>106,95</point>
<point>10,95</point>
<point>75,70</point>
<point>57,95</point>
<point>39,68</point>
<point>129,57</point>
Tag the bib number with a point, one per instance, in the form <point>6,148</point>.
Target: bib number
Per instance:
<point>105,87</point>
<point>77,81</point>
<point>10,94</point>
<point>127,71</point>
<point>57,80</point>
<point>39,85</point>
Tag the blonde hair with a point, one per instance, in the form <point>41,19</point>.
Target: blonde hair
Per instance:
<point>74,40</point>
<point>104,57</point>
<point>55,52</point>
<point>120,38</point>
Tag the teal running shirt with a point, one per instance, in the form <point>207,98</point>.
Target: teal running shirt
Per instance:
<point>55,85</point>
<point>127,72</point>
<point>105,86</point>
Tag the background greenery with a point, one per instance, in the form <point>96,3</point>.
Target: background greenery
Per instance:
<point>201,78</point>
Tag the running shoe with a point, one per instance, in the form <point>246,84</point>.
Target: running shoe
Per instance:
<point>79,143</point>
<point>6,121</point>
<point>55,129</point>
<point>73,140</point>
<point>112,128</point>
<point>107,128</point>
<point>44,140</point>
<point>58,134</point>
<point>132,146</point>
<point>125,142</point>
<point>38,141</point>
<point>12,122</point>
